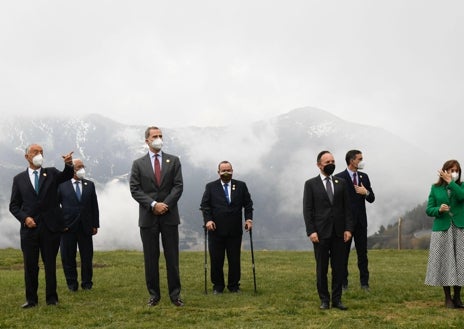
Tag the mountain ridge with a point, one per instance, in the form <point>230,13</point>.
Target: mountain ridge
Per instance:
<point>274,156</point>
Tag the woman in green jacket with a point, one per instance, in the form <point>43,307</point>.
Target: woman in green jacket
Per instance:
<point>446,255</point>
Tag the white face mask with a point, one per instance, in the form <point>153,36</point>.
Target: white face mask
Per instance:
<point>37,160</point>
<point>454,176</point>
<point>361,165</point>
<point>157,144</point>
<point>80,173</point>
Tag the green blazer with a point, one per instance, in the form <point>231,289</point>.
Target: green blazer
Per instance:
<point>439,195</point>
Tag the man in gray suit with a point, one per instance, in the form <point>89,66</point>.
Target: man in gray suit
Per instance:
<point>156,184</point>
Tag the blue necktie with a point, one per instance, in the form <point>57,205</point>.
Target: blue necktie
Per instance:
<point>36,181</point>
<point>226,192</point>
<point>78,190</point>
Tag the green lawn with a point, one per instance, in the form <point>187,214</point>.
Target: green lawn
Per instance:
<point>286,295</point>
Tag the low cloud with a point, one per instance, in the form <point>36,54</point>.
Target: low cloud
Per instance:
<point>118,221</point>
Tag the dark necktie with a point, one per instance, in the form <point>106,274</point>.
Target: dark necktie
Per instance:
<point>157,170</point>
<point>355,180</point>
<point>328,187</point>
<point>226,192</point>
<point>78,190</point>
<point>36,181</point>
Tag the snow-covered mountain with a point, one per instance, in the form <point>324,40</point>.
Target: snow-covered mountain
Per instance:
<point>275,156</point>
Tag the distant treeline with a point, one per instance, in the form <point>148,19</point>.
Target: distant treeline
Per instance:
<point>414,234</point>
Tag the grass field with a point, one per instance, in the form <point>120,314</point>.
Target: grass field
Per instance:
<point>286,295</point>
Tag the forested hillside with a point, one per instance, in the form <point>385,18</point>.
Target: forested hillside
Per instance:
<point>414,232</point>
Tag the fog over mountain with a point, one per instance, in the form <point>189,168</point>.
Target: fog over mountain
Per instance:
<point>275,156</point>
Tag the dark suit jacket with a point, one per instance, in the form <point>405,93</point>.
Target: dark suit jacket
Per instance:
<point>144,189</point>
<point>75,211</point>
<point>228,218</point>
<point>320,215</point>
<point>44,207</point>
<point>357,201</point>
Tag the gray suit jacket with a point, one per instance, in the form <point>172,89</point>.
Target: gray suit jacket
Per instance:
<point>144,189</point>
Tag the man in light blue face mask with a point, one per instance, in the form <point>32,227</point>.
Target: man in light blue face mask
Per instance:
<point>361,191</point>
<point>156,184</point>
<point>79,202</point>
<point>34,203</point>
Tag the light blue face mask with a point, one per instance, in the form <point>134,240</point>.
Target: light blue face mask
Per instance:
<point>80,173</point>
<point>38,160</point>
<point>157,144</point>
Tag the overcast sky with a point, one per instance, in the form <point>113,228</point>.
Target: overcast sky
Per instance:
<point>396,64</point>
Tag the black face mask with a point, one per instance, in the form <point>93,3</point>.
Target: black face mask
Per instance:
<point>329,169</point>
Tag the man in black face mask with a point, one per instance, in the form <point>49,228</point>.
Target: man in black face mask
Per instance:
<point>327,216</point>
<point>222,205</point>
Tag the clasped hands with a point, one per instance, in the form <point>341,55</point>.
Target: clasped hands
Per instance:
<point>160,208</point>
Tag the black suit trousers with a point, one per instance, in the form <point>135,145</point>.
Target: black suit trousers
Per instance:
<point>34,241</point>
<point>151,252</point>
<point>219,246</point>
<point>68,248</point>
<point>330,250</point>
<point>360,242</point>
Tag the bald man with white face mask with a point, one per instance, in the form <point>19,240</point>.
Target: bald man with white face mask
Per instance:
<point>34,203</point>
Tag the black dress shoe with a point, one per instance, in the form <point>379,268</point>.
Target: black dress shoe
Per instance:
<point>324,306</point>
<point>178,302</point>
<point>87,286</point>
<point>73,287</point>
<point>52,302</point>
<point>340,306</point>
<point>28,305</point>
<point>217,292</point>
<point>153,301</point>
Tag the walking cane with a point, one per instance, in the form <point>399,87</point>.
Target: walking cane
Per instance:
<point>252,259</point>
<point>206,260</point>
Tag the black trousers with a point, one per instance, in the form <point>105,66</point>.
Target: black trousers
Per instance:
<point>219,247</point>
<point>330,250</point>
<point>68,248</point>
<point>360,242</point>
<point>151,253</point>
<point>34,241</point>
